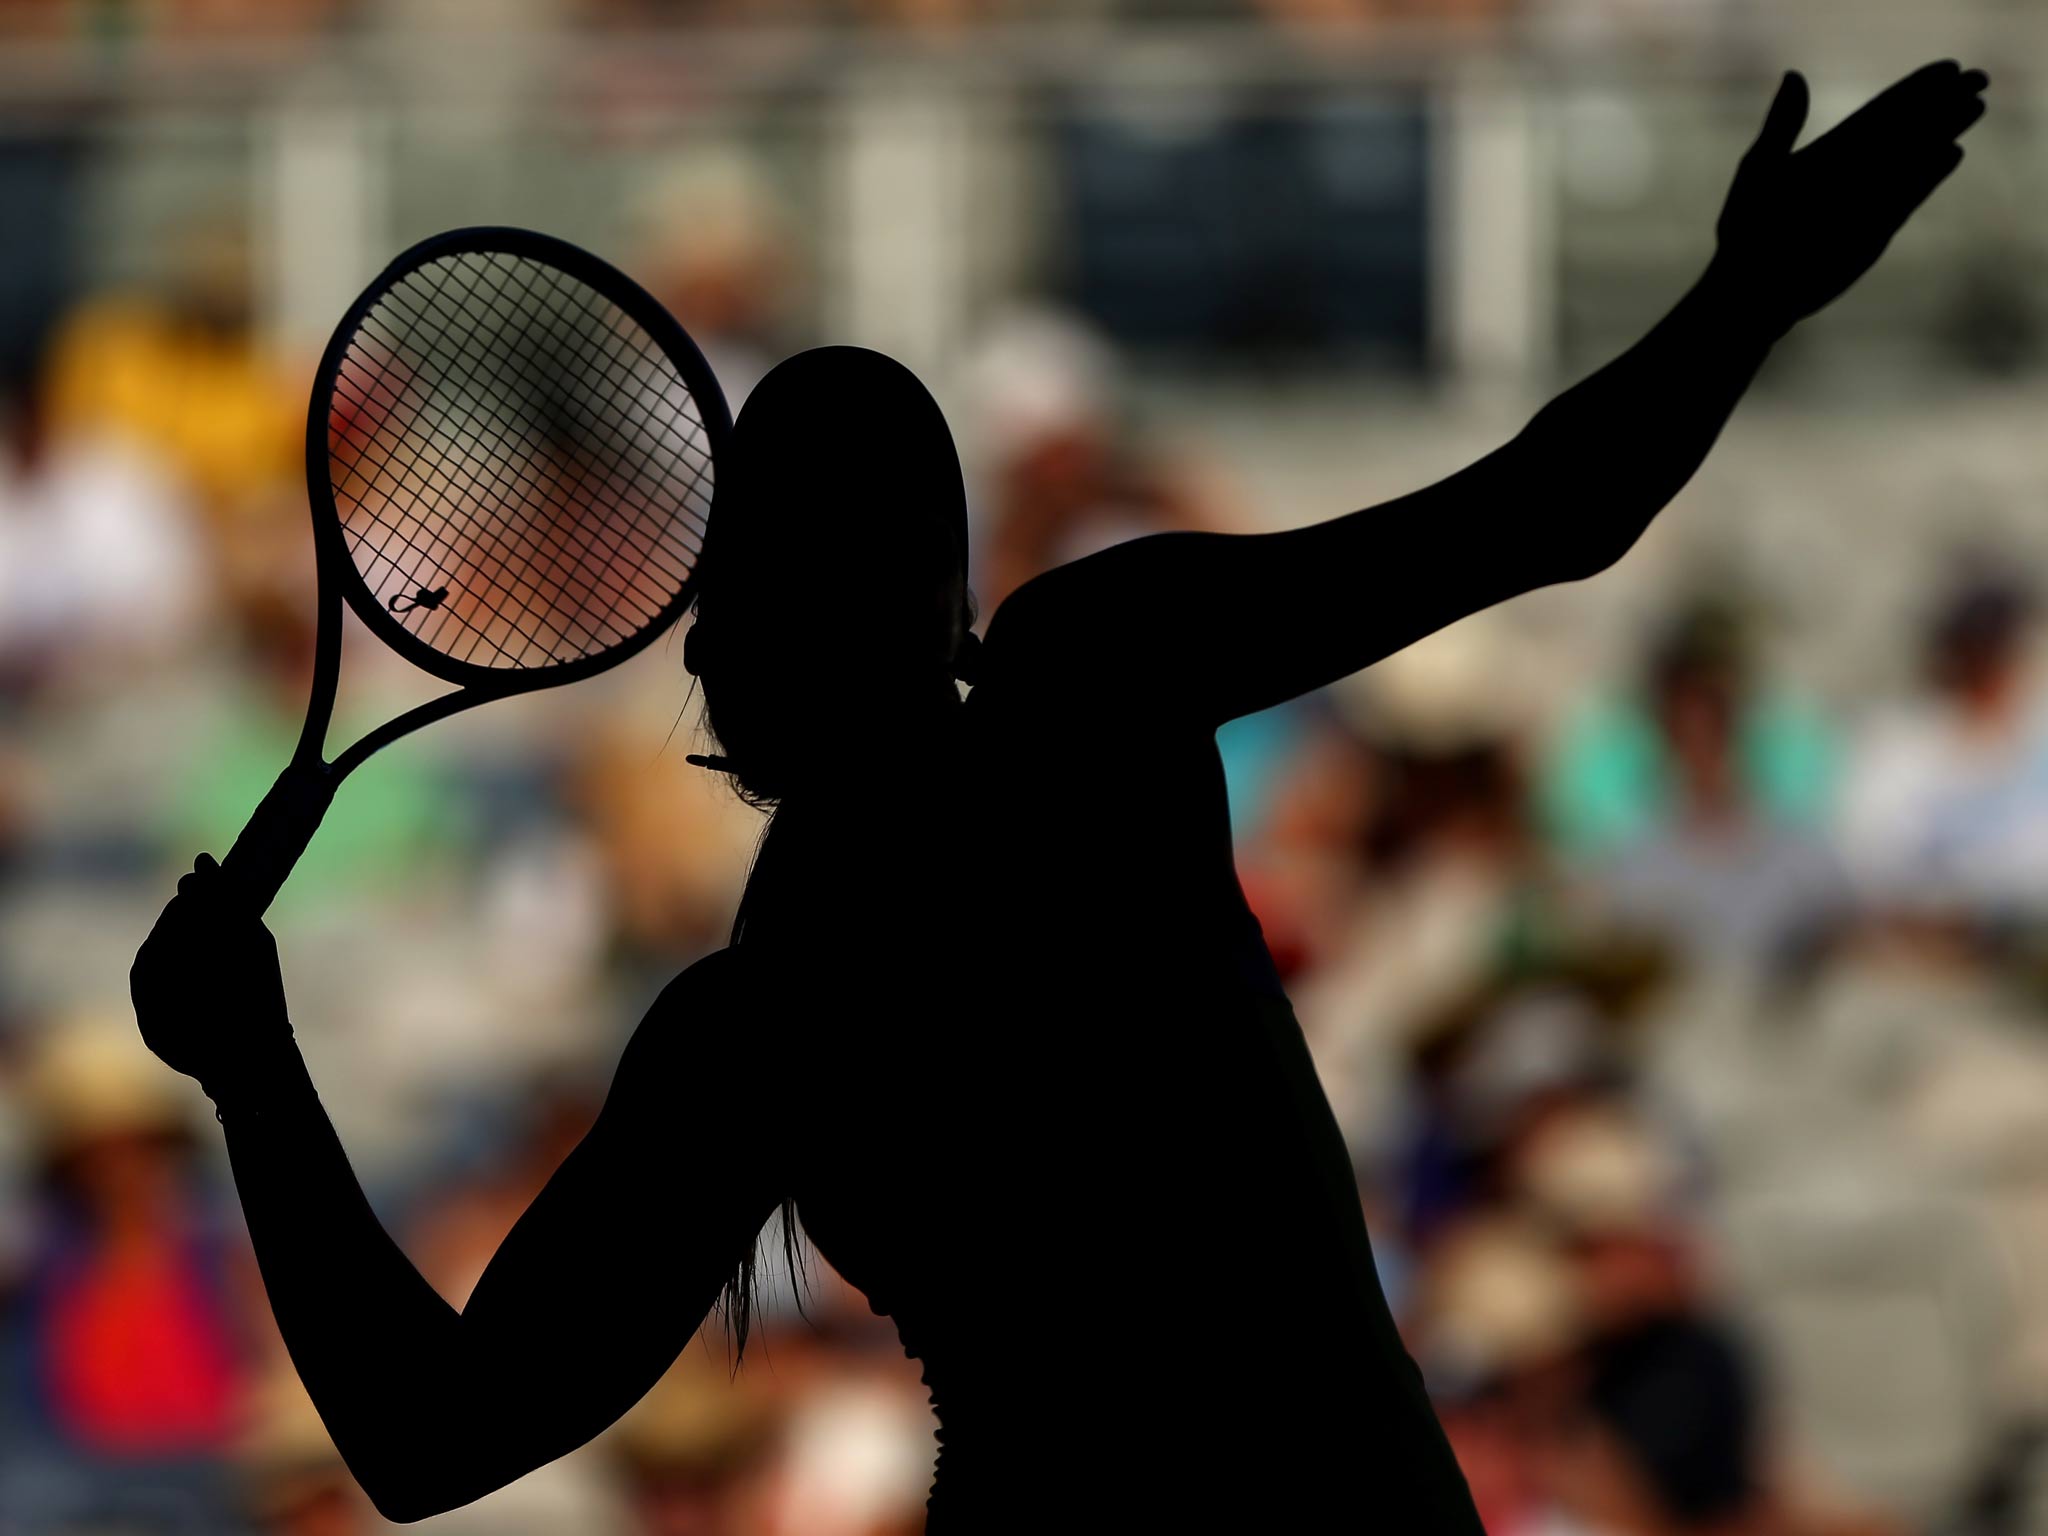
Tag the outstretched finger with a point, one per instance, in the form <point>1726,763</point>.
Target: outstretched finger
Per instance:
<point>1964,114</point>
<point>1939,101</point>
<point>1930,173</point>
<point>1911,98</point>
<point>1929,77</point>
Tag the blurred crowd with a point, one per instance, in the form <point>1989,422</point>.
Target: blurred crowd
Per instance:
<point>122,20</point>
<point>1686,1035</point>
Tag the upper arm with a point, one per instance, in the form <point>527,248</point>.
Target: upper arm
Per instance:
<point>610,1271</point>
<point>1205,627</point>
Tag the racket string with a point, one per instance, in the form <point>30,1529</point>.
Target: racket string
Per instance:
<point>478,557</point>
<point>618,370</point>
<point>553,495</point>
<point>611,355</point>
<point>462,535</point>
<point>482,472</point>
<point>473,487</point>
<point>558,549</point>
<point>614,374</point>
<point>599,536</point>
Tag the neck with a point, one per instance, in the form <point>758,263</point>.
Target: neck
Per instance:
<point>874,754</point>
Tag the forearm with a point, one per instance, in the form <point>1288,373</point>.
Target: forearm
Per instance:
<point>1596,465</point>
<point>375,1345</point>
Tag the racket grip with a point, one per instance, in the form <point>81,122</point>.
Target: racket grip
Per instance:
<point>285,821</point>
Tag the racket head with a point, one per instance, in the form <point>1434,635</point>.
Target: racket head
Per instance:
<point>508,421</point>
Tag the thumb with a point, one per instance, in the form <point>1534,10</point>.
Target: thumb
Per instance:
<point>1783,122</point>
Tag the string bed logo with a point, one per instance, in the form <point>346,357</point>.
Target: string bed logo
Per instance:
<point>420,599</point>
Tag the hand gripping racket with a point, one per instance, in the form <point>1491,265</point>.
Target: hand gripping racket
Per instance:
<point>509,455</point>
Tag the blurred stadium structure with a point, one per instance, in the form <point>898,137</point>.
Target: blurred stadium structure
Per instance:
<point>1674,946</point>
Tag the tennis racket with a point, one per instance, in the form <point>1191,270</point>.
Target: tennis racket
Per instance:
<point>510,456</point>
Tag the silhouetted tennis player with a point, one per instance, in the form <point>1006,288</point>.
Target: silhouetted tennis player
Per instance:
<point>996,1018</point>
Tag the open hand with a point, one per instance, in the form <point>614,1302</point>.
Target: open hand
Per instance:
<point>208,994</point>
<point>1800,227</point>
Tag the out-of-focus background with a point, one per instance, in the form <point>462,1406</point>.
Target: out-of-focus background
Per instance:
<point>1673,946</point>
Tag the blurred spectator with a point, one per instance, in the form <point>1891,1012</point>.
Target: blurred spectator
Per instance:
<point>931,16</point>
<point>1305,859</point>
<point>1451,885</point>
<point>1616,776</point>
<point>1945,812</point>
<point>294,1480</point>
<point>1498,1329</point>
<point>99,567</point>
<point>467,1213</point>
<point>1672,1432</point>
<point>1064,473</point>
<point>1597,24</point>
<point>673,845</point>
<point>123,21</point>
<point>718,251</point>
<point>1674,1435</point>
<point>1483,1064</point>
<point>1323,20</point>
<point>1717,877</point>
<point>179,373</point>
<point>699,1453</point>
<point>860,1458</point>
<point>453,1231</point>
<point>127,1358</point>
<point>234,18</point>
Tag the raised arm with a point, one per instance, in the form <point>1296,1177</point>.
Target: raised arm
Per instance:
<point>587,1302</point>
<point>1211,626</point>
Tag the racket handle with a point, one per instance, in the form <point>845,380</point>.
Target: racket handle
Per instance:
<point>278,832</point>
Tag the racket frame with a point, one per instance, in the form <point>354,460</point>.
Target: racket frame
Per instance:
<point>285,821</point>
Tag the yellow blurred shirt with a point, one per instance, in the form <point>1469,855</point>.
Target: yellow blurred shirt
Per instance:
<point>222,416</point>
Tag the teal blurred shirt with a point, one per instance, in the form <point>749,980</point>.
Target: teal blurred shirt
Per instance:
<point>1608,781</point>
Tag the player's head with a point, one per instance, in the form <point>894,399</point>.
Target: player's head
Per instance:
<point>833,598</point>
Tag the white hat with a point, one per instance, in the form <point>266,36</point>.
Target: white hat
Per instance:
<point>92,1077</point>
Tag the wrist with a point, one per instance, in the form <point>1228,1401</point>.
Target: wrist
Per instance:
<point>1742,304</point>
<point>259,1082</point>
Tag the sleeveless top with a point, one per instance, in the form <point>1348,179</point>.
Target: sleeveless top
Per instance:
<point>1054,1116</point>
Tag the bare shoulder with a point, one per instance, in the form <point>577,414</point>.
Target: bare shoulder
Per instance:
<point>709,974</point>
<point>700,1016</point>
<point>1028,618</point>
<point>685,1087</point>
<point>1083,591</point>
<point>1072,625</point>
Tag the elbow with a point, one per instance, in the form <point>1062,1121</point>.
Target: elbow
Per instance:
<point>435,1480</point>
<point>406,1503</point>
<point>422,1451</point>
<point>403,1501</point>
<point>424,1485</point>
<point>1586,567</point>
<point>1583,559</point>
<point>1561,567</point>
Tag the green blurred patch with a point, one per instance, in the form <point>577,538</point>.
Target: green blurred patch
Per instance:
<point>393,819</point>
